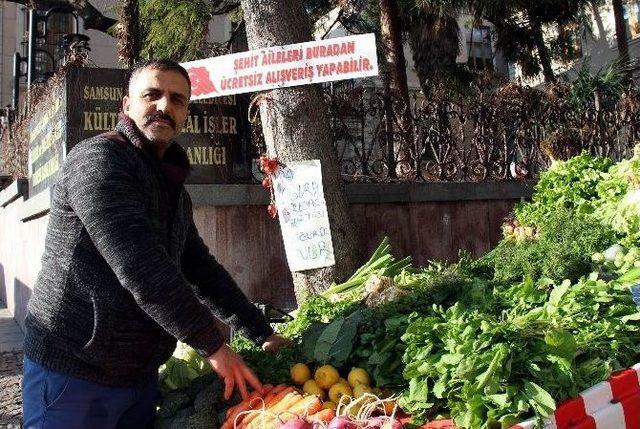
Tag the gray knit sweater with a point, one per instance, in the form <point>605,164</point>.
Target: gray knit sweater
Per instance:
<point>124,271</point>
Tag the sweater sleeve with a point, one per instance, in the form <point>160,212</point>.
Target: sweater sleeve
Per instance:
<point>102,190</point>
<point>217,289</point>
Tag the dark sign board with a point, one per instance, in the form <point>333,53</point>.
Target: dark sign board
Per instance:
<point>47,137</point>
<point>215,135</point>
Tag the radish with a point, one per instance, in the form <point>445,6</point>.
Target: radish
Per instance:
<point>384,423</point>
<point>298,423</point>
<point>375,423</point>
<point>342,422</point>
<point>392,423</point>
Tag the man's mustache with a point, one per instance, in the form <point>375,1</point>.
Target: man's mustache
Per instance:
<point>159,116</point>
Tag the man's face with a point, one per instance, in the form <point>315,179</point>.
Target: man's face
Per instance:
<point>158,103</point>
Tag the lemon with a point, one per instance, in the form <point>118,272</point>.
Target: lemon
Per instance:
<point>300,373</point>
<point>326,376</point>
<point>344,381</point>
<point>339,390</point>
<point>310,387</point>
<point>358,376</point>
<point>360,389</point>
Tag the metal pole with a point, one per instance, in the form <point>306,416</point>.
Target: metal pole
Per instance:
<point>16,80</point>
<point>33,28</point>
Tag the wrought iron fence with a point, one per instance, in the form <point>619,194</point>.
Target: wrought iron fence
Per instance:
<point>506,134</point>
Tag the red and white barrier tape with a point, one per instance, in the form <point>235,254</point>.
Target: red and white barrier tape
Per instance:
<point>612,404</point>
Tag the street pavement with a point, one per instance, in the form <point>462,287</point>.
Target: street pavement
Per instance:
<point>11,338</point>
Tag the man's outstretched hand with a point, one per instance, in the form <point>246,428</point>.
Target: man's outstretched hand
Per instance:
<point>276,342</point>
<point>234,372</point>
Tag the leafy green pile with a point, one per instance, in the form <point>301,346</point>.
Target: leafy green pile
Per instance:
<point>562,250</point>
<point>493,358</point>
<point>567,185</point>
<point>371,337</point>
<point>316,308</point>
<point>495,340</point>
<point>618,203</point>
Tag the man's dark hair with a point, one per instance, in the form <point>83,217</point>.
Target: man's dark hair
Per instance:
<point>157,64</point>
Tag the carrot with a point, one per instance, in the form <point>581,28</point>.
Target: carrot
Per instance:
<point>279,388</point>
<point>266,389</point>
<point>273,392</point>
<point>283,405</point>
<point>279,396</point>
<point>267,398</point>
<point>287,393</point>
<point>253,401</point>
<point>308,405</point>
<point>322,416</point>
<point>287,402</point>
<point>259,420</point>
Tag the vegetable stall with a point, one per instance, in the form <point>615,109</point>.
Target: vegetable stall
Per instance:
<point>514,335</point>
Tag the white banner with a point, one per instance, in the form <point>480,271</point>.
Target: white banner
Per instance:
<point>282,66</point>
<point>302,211</point>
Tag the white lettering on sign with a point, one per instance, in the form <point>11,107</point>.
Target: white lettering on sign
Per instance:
<point>282,66</point>
<point>302,211</point>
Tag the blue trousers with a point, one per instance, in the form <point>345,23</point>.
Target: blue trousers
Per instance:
<point>52,400</point>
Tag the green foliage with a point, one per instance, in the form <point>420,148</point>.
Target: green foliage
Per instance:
<point>332,343</point>
<point>608,82</point>
<point>561,251</point>
<point>567,185</point>
<point>175,29</point>
<point>269,367</point>
<point>315,308</point>
<point>517,27</point>
<point>380,349</point>
<point>618,202</point>
<point>195,406</point>
<point>371,337</point>
<point>493,359</point>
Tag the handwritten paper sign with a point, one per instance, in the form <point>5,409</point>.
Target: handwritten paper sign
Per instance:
<point>282,66</point>
<point>302,211</point>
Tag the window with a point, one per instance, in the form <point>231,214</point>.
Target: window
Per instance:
<point>479,48</point>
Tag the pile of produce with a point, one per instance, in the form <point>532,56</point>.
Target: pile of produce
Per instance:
<point>487,342</point>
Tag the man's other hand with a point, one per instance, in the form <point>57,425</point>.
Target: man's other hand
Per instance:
<point>276,342</point>
<point>234,371</point>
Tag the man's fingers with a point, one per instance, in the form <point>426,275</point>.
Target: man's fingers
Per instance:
<point>251,378</point>
<point>241,385</point>
<point>228,386</point>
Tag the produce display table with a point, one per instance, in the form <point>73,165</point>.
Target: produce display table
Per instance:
<point>613,404</point>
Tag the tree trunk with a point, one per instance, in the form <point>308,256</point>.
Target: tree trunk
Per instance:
<point>598,19</point>
<point>621,36</point>
<point>543,53</point>
<point>391,39</point>
<point>395,77</point>
<point>129,33</point>
<point>295,124</point>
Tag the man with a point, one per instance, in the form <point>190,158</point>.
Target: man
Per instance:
<point>125,273</point>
